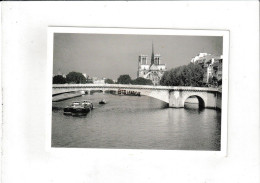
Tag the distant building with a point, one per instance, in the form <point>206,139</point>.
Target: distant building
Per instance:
<point>153,71</point>
<point>96,80</point>
<point>201,58</point>
<point>211,64</point>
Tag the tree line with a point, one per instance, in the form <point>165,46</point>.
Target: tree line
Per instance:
<point>126,79</point>
<point>72,77</point>
<point>79,78</point>
<point>186,75</point>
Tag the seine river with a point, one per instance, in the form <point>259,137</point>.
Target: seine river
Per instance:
<point>131,122</point>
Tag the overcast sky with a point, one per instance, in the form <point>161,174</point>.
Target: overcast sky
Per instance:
<point>109,56</point>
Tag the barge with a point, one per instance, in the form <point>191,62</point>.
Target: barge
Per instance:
<point>78,108</point>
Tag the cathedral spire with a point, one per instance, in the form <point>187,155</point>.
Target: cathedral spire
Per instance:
<point>152,57</point>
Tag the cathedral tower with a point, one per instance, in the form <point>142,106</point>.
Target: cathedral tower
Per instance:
<point>153,71</point>
<point>142,60</point>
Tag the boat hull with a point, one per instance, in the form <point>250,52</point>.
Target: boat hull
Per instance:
<point>76,111</point>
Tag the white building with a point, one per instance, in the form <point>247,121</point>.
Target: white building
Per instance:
<point>201,57</point>
<point>212,65</point>
<point>98,81</point>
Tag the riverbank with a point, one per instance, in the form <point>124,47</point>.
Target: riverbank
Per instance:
<point>65,96</point>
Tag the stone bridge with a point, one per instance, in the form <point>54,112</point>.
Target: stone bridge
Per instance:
<point>175,96</point>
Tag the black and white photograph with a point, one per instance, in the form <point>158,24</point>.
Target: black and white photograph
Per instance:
<point>129,92</point>
<point>135,90</point>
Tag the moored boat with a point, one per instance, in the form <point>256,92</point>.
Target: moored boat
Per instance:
<point>128,93</point>
<point>88,104</point>
<point>78,108</point>
<point>68,109</point>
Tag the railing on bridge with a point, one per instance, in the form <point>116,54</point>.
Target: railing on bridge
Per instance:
<point>147,87</point>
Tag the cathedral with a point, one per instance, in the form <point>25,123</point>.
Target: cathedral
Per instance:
<point>153,71</point>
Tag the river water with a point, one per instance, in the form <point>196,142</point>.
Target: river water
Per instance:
<point>131,122</point>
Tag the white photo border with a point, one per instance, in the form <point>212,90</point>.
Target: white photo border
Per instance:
<point>142,31</point>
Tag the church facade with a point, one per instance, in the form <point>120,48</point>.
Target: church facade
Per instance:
<point>153,71</point>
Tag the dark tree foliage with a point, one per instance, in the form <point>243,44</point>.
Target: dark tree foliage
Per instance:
<point>59,79</point>
<point>89,80</point>
<point>142,81</point>
<point>109,81</point>
<point>76,78</point>
<point>187,75</point>
<point>124,79</point>
<point>220,82</point>
<point>213,81</point>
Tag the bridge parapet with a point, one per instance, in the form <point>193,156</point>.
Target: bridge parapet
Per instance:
<point>147,87</point>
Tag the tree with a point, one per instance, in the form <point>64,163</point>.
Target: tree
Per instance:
<point>187,75</point>
<point>196,76</point>
<point>109,81</point>
<point>213,81</point>
<point>58,79</point>
<point>220,82</point>
<point>124,79</point>
<point>75,77</point>
<point>89,80</point>
<point>142,81</point>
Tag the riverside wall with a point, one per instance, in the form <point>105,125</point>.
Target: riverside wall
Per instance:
<point>66,96</point>
<point>218,100</point>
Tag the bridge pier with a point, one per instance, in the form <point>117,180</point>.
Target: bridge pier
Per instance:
<point>175,99</point>
<point>211,101</point>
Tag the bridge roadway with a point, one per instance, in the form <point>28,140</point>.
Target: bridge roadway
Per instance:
<point>175,96</point>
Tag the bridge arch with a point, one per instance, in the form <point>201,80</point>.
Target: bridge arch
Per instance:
<point>162,95</point>
<point>201,101</point>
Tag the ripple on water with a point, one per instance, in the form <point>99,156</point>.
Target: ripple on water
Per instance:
<point>130,122</point>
